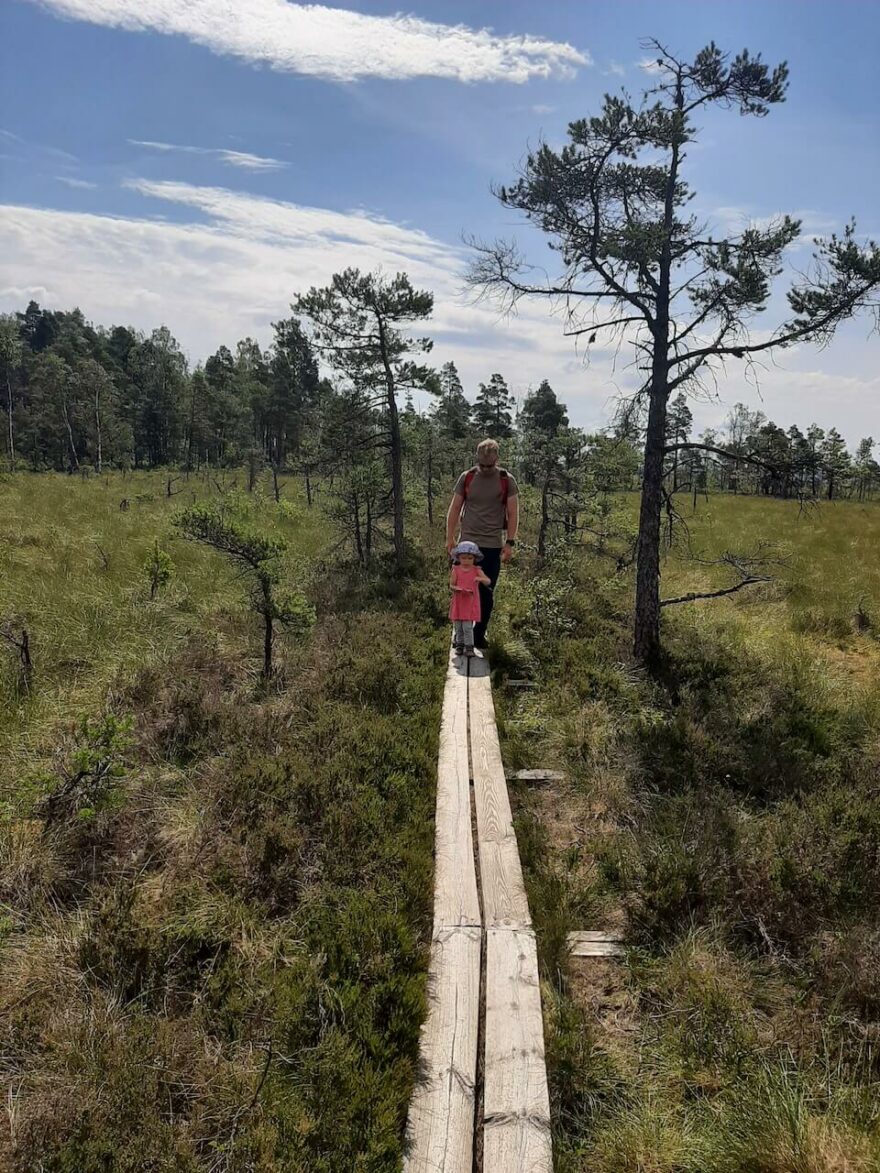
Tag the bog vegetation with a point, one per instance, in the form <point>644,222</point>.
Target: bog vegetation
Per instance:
<point>214,887</point>
<point>726,823</point>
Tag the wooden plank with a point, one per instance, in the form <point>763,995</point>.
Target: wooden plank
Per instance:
<point>520,684</point>
<point>516,1120</point>
<point>440,1128</point>
<point>504,894</point>
<point>536,776</point>
<point>592,943</point>
<point>455,880</point>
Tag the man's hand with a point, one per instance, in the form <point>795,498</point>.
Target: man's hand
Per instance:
<point>450,546</point>
<point>506,553</point>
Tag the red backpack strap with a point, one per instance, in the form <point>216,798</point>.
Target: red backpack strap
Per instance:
<point>505,485</point>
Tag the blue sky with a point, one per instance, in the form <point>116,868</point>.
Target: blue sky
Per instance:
<point>199,163</point>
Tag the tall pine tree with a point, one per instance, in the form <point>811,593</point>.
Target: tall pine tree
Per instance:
<point>493,411</point>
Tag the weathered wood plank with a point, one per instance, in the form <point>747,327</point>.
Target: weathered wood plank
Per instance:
<point>455,880</point>
<point>504,895</point>
<point>440,1128</point>
<point>536,776</point>
<point>516,1120</point>
<point>592,943</point>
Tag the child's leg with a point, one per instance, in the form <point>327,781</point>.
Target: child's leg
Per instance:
<point>467,632</point>
<point>458,626</point>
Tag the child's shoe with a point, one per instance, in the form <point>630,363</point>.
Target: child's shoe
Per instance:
<point>459,649</point>
<point>469,651</point>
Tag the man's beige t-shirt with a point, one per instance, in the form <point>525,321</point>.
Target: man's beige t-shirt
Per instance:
<point>482,516</point>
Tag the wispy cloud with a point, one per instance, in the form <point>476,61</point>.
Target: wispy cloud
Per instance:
<point>234,272</point>
<point>539,109</point>
<point>334,43</point>
<point>75,182</point>
<point>241,159</point>
<point>732,220</point>
<point>25,147</point>
<point>614,70</point>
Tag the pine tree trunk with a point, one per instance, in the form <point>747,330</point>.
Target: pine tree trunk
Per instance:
<point>11,428</point>
<point>545,520</point>
<point>396,453</point>
<point>99,454</point>
<point>356,518</point>
<point>646,641</point>
<point>646,644</point>
<point>74,457</point>
<point>268,612</point>
<point>430,486</point>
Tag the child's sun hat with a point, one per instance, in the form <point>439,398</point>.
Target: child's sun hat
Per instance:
<point>467,548</point>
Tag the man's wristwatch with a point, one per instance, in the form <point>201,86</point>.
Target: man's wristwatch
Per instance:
<point>510,542</point>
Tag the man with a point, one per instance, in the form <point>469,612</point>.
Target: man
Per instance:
<point>486,501</point>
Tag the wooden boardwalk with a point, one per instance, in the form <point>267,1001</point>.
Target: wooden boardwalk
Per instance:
<point>484,963</point>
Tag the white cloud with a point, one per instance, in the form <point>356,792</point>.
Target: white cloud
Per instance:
<point>732,220</point>
<point>237,269</point>
<point>539,109</point>
<point>75,182</point>
<point>242,159</point>
<point>334,43</point>
<point>220,280</point>
<point>614,70</point>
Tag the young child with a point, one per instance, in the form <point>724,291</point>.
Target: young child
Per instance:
<point>464,610</point>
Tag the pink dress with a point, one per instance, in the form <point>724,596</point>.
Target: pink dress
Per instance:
<point>465,604</point>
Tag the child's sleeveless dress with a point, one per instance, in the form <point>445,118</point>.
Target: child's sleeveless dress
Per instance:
<point>465,606</point>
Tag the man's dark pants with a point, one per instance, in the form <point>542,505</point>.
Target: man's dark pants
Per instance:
<point>491,566</point>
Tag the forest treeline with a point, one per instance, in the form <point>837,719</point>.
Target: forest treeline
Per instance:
<point>80,397</point>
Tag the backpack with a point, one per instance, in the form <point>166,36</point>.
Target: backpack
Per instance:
<point>505,486</point>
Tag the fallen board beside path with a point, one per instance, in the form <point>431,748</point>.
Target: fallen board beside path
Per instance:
<point>516,1105</point>
<point>536,776</point>
<point>592,943</point>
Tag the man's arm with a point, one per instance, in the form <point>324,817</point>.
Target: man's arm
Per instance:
<point>512,516</point>
<point>452,519</point>
<point>512,524</point>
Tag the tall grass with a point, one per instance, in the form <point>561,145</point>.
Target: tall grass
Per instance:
<point>72,570</point>
<point>212,928</point>
<point>727,821</point>
<point>823,561</point>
